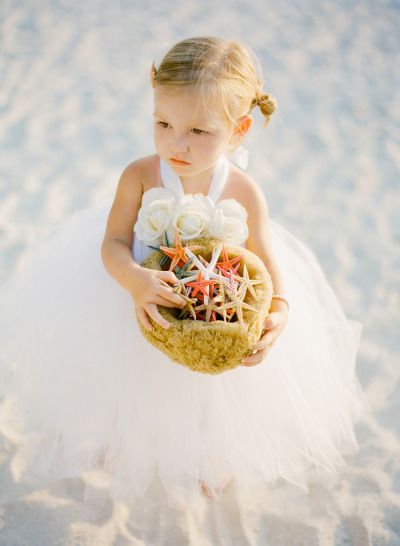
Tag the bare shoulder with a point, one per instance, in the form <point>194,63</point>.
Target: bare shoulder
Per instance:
<point>141,169</point>
<point>246,190</point>
<point>133,182</point>
<point>135,177</point>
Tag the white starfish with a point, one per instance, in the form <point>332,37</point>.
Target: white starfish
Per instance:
<point>207,271</point>
<point>211,306</point>
<point>247,284</point>
<point>238,305</point>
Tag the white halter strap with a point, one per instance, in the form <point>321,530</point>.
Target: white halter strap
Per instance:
<point>172,182</point>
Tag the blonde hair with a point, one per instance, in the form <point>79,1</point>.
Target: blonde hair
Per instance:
<point>224,72</point>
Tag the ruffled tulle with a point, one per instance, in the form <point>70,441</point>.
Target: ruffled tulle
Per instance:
<point>81,382</point>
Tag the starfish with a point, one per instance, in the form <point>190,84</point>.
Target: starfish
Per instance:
<point>203,260</point>
<point>210,266</point>
<point>227,272</point>
<point>207,270</point>
<point>164,258</point>
<point>177,254</point>
<point>201,285</point>
<point>211,308</point>
<point>221,295</point>
<point>226,262</point>
<point>184,271</point>
<point>237,292</point>
<point>190,277</point>
<point>188,307</point>
<point>247,283</point>
<point>179,288</point>
<point>238,305</point>
<point>231,280</point>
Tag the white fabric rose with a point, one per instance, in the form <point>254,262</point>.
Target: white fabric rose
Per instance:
<point>229,222</point>
<point>192,216</point>
<point>154,216</point>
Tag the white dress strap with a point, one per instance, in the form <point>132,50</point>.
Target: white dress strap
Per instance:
<point>218,181</point>
<point>172,182</point>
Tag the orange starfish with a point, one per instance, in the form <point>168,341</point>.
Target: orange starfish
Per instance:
<point>230,273</point>
<point>201,285</point>
<point>226,262</point>
<point>177,253</point>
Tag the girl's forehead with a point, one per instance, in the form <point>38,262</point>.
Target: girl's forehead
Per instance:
<point>187,105</point>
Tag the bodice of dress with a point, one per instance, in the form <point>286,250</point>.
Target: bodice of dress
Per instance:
<point>227,218</point>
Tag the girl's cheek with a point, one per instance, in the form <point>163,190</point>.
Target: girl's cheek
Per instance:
<point>159,136</point>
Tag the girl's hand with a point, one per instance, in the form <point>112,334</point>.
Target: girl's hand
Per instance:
<point>273,325</point>
<point>149,290</point>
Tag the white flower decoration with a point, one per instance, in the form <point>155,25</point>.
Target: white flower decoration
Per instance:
<point>154,216</point>
<point>192,217</point>
<point>229,222</point>
<point>195,215</point>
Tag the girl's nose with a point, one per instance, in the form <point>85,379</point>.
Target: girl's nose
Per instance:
<point>180,144</point>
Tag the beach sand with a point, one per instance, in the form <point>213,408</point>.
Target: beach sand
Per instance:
<point>75,109</point>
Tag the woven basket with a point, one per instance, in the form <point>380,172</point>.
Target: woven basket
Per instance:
<point>216,346</point>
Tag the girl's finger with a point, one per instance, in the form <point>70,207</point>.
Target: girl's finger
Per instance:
<point>271,321</point>
<point>152,311</point>
<point>144,319</point>
<point>264,341</point>
<point>171,296</point>
<point>160,300</point>
<point>251,361</point>
<point>260,346</point>
<point>168,277</point>
<point>256,358</point>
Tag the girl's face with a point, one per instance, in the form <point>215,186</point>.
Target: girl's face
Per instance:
<point>187,136</point>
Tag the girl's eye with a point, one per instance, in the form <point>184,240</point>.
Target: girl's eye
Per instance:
<point>198,131</point>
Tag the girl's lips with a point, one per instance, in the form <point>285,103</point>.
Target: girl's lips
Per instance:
<point>179,161</point>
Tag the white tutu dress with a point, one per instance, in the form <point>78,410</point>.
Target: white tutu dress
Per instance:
<point>80,381</point>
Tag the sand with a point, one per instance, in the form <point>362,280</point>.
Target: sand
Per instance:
<point>75,109</point>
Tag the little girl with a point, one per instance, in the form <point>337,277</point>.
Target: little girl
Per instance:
<point>90,394</point>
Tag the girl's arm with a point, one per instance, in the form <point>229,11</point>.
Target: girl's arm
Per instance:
<point>117,243</point>
<point>116,248</point>
<point>259,242</point>
<point>147,287</point>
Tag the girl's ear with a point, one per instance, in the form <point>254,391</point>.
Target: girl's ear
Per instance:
<point>153,75</point>
<point>242,126</point>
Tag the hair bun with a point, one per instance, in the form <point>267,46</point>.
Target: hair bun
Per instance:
<point>267,104</point>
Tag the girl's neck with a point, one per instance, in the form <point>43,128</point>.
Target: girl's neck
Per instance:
<point>200,182</point>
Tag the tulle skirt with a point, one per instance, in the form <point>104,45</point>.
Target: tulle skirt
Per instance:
<point>88,396</point>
